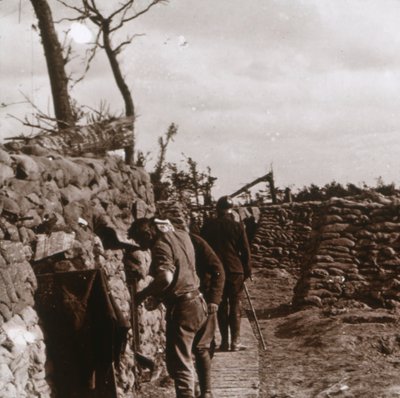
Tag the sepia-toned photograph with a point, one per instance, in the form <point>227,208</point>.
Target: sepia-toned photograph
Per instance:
<point>199,199</point>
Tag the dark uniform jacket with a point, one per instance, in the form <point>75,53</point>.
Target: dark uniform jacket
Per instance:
<point>174,252</point>
<point>228,239</point>
<point>209,269</point>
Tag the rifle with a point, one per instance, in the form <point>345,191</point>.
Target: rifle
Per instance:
<point>255,317</point>
<point>139,358</point>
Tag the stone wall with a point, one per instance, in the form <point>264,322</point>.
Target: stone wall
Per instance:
<point>57,215</point>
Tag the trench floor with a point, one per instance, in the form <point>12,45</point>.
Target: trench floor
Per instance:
<point>236,374</point>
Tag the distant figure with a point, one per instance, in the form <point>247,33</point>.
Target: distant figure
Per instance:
<point>228,239</point>
<point>194,225</point>
<point>251,227</point>
<point>288,195</point>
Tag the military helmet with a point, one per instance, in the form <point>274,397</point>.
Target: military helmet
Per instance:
<point>224,203</point>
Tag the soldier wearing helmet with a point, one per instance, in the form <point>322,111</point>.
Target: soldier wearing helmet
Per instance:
<point>228,239</point>
<point>224,204</point>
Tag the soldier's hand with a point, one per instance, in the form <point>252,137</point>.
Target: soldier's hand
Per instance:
<point>151,303</point>
<point>247,275</point>
<point>140,297</point>
<point>212,308</point>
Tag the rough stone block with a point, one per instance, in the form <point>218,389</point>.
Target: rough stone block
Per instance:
<point>10,391</point>
<point>12,252</point>
<point>6,375</point>
<point>29,316</point>
<point>8,295</point>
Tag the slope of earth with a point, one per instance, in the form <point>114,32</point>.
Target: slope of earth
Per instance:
<point>348,352</point>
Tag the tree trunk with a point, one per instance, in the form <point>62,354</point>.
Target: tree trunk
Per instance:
<point>124,89</point>
<point>55,65</point>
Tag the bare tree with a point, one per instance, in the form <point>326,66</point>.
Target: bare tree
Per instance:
<point>159,169</point>
<point>163,143</point>
<point>55,65</point>
<point>194,174</point>
<point>107,25</point>
<point>189,184</point>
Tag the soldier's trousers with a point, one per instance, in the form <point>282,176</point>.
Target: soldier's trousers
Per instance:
<point>203,348</point>
<point>229,311</point>
<point>184,320</point>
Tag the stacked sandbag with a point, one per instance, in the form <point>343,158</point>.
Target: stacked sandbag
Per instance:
<point>62,214</point>
<point>355,254</point>
<point>282,236</point>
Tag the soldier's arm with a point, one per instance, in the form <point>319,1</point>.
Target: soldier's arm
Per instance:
<point>217,272</point>
<point>157,286</point>
<point>209,268</point>
<point>162,270</point>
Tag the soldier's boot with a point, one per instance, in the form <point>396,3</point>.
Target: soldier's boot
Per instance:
<point>223,325</point>
<point>235,322</point>
<point>203,367</point>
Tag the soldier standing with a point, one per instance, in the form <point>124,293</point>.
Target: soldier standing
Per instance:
<point>228,239</point>
<point>176,284</point>
<point>212,277</point>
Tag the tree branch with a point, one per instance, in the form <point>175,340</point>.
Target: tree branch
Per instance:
<point>27,123</point>
<point>151,5</point>
<point>66,48</point>
<point>40,113</point>
<point>125,7</point>
<point>77,9</point>
<point>93,7</point>
<point>80,18</point>
<point>118,49</point>
<point>92,53</point>
<point>41,116</point>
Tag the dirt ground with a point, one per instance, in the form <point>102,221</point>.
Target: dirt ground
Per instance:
<point>160,388</point>
<point>348,352</point>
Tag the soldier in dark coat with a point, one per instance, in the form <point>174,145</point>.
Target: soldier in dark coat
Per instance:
<point>228,239</point>
<point>212,278</point>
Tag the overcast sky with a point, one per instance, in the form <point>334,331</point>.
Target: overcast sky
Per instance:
<point>310,86</point>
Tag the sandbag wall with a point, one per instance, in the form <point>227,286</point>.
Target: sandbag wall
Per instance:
<point>355,255</point>
<point>57,215</point>
<point>283,235</point>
